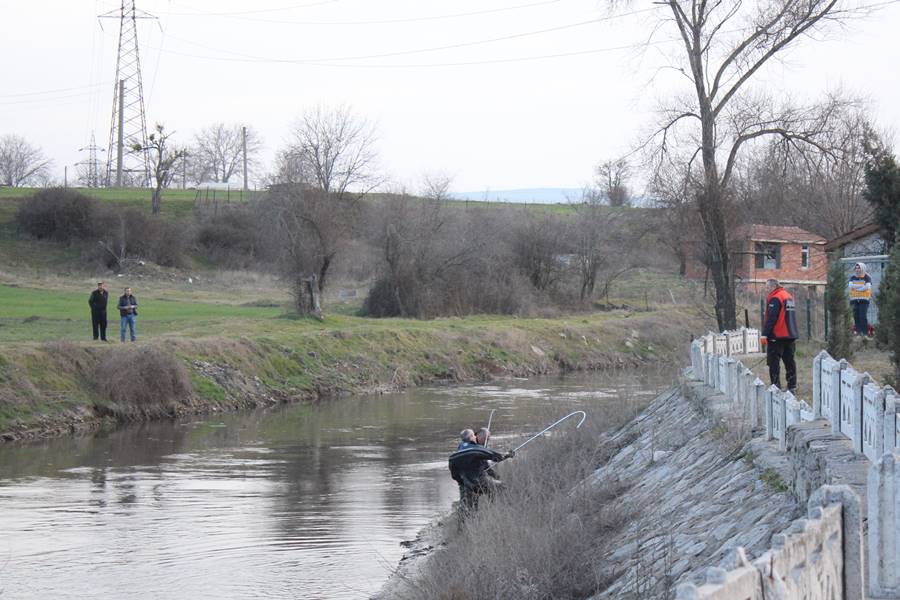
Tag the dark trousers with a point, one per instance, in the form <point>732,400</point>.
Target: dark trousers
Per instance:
<point>777,351</point>
<point>98,322</point>
<point>861,316</point>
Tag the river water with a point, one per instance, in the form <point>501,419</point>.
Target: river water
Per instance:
<point>290,502</point>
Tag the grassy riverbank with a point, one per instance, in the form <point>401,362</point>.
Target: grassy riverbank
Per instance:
<point>237,356</point>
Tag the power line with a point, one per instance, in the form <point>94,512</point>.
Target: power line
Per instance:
<point>69,89</point>
<point>255,11</point>
<point>386,21</point>
<point>242,57</point>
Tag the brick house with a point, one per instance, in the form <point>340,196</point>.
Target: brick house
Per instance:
<point>789,254</point>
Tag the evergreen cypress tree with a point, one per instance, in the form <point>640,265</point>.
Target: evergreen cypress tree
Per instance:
<point>883,190</point>
<point>888,300</point>
<point>837,303</point>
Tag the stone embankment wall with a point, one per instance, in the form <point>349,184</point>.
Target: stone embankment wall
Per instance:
<point>849,435</point>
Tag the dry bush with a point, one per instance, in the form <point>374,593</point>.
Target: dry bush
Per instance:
<point>60,215</point>
<point>141,382</point>
<point>538,538</point>
<point>230,238</point>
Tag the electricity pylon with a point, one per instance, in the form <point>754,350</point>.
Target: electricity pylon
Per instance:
<point>129,124</point>
<point>92,176</point>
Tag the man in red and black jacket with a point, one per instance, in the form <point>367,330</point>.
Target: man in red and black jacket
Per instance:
<point>780,331</point>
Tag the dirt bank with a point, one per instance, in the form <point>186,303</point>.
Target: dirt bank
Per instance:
<point>57,388</point>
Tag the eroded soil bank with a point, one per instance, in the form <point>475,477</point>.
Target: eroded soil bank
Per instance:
<point>57,388</point>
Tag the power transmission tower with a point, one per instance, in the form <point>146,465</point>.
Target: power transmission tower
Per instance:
<point>92,176</point>
<point>129,124</point>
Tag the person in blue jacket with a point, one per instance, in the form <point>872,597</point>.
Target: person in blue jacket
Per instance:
<point>128,312</point>
<point>470,467</point>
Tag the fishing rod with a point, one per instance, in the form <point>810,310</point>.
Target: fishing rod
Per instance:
<point>490,418</point>
<point>537,435</point>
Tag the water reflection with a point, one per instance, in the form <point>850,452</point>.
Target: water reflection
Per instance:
<point>299,501</point>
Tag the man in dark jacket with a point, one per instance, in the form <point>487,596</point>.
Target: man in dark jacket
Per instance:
<point>127,311</point>
<point>97,302</point>
<point>470,467</point>
<point>780,331</point>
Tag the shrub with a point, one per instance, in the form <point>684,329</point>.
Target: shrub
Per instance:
<point>60,215</point>
<point>539,537</point>
<point>888,300</point>
<point>141,382</point>
<point>838,306</point>
<point>229,238</point>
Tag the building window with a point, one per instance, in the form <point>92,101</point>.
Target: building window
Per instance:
<point>768,256</point>
<point>804,256</point>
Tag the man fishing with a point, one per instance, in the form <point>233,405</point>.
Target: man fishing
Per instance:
<point>470,467</point>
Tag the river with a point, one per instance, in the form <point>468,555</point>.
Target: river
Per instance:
<point>301,501</point>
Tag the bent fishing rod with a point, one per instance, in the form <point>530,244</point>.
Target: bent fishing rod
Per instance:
<point>490,418</point>
<point>543,431</point>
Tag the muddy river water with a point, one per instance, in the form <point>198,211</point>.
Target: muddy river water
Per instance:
<point>291,502</point>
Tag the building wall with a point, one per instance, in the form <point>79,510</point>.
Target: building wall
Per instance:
<point>791,270</point>
<point>745,265</point>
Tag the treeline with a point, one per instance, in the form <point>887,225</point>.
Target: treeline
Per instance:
<point>420,257</point>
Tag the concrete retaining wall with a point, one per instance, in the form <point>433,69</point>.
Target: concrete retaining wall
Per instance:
<point>821,556</point>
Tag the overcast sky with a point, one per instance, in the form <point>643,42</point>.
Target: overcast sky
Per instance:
<point>498,94</point>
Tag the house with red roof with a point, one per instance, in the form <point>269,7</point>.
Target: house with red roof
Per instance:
<point>793,256</point>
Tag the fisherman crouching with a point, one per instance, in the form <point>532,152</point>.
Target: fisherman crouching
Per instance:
<point>470,467</point>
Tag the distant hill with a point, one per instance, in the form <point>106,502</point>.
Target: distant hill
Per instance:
<point>525,196</point>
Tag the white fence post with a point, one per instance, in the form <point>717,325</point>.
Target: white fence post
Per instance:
<point>758,400</point>
<point>891,440</point>
<point>817,383</point>
<point>851,515</point>
<point>770,412</point>
<point>697,359</point>
<point>781,413</point>
<point>873,421</point>
<point>883,498</point>
<point>836,396</point>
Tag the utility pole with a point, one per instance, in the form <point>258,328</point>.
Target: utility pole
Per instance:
<point>244,147</point>
<point>128,123</point>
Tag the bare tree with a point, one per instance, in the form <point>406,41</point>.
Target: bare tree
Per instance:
<point>217,151</point>
<point>819,191</point>
<point>335,149</point>
<point>21,163</point>
<point>592,243</point>
<point>303,232</point>
<point>677,229</point>
<point>165,161</point>
<point>539,242</point>
<point>611,178</point>
<point>724,44</point>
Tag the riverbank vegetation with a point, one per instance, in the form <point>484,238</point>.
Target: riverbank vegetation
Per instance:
<point>542,537</point>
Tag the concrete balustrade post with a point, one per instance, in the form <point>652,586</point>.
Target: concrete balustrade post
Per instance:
<point>857,399</point>
<point>792,410</point>
<point>734,376</point>
<point>758,401</point>
<point>782,416</point>
<point>836,396</point>
<point>770,412</point>
<point>883,499</point>
<point>696,359</point>
<point>891,399</point>
<point>851,518</point>
<point>817,383</point>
